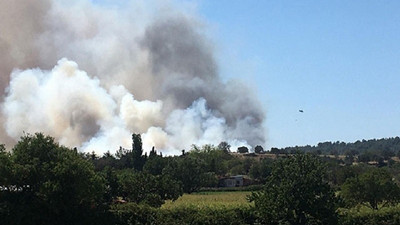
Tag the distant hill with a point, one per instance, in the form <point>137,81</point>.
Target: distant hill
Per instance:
<point>384,146</point>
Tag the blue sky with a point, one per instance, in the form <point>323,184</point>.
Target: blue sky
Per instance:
<point>339,61</point>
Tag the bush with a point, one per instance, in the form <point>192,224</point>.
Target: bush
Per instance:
<point>367,216</point>
<point>131,213</point>
<point>376,188</point>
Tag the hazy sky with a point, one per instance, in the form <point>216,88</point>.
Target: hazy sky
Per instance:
<point>339,61</point>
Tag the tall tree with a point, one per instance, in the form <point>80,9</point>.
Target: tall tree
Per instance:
<point>296,192</point>
<point>50,184</point>
<point>137,144</point>
<point>138,159</point>
<point>132,158</point>
<point>373,188</point>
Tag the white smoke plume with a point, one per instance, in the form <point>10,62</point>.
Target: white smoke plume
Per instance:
<point>92,74</point>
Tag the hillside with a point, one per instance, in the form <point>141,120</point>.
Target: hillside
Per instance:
<point>384,146</point>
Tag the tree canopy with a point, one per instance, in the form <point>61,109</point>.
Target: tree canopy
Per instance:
<point>374,188</point>
<point>42,182</point>
<point>296,192</point>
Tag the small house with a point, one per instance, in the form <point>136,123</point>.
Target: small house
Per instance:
<point>234,181</point>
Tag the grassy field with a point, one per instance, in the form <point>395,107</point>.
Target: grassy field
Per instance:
<point>210,200</point>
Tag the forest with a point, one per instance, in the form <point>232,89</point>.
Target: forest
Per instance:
<point>386,147</point>
<point>43,182</point>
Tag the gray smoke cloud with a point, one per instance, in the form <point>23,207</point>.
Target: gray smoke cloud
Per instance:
<point>91,74</point>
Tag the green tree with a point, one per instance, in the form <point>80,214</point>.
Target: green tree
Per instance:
<point>296,192</point>
<point>215,159</point>
<point>107,160</point>
<point>190,171</point>
<point>258,149</point>
<point>140,187</point>
<point>112,187</point>
<point>366,157</point>
<point>5,167</point>
<point>243,149</point>
<point>49,184</point>
<point>132,158</point>
<point>275,151</point>
<point>261,170</point>
<point>6,179</point>
<point>154,164</point>
<point>387,154</point>
<point>373,188</point>
<point>342,173</point>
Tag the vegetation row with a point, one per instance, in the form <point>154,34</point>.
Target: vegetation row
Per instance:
<point>42,182</point>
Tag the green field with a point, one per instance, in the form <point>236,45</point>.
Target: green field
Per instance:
<point>210,199</point>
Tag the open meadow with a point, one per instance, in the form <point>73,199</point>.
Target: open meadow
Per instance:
<point>210,200</point>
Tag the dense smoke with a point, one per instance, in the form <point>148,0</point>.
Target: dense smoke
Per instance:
<point>92,74</point>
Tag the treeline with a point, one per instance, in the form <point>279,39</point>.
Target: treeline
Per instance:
<point>385,147</point>
<point>42,182</point>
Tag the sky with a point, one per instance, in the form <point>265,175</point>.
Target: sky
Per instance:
<point>169,69</point>
<point>338,61</point>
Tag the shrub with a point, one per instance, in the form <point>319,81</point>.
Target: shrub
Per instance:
<point>132,214</point>
<point>129,214</point>
<point>368,216</point>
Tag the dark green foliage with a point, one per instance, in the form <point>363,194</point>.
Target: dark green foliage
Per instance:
<point>155,163</point>
<point>132,158</point>
<point>385,147</point>
<point>208,216</point>
<point>373,188</point>
<point>338,174</point>
<point>243,149</point>
<point>275,151</point>
<point>366,157</point>
<point>130,214</point>
<point>111,183</point>
<point>260,170</point>
<point>384,216</point>
<point>137,144</point>
<point>191,172</point>
<point>236,167</point>
<point>48,184</point>
<point>145,188</point>
<point>297,192</point>
<point>6,168</point>
<point>258,149</point>
<point>137,151</point>
<point>215,160</point>
<point>387,153</point>
<point>108,160</point>
<point>42,182</point>
<point>133,214</point>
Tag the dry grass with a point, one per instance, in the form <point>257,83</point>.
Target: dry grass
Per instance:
<point>210,200</point>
